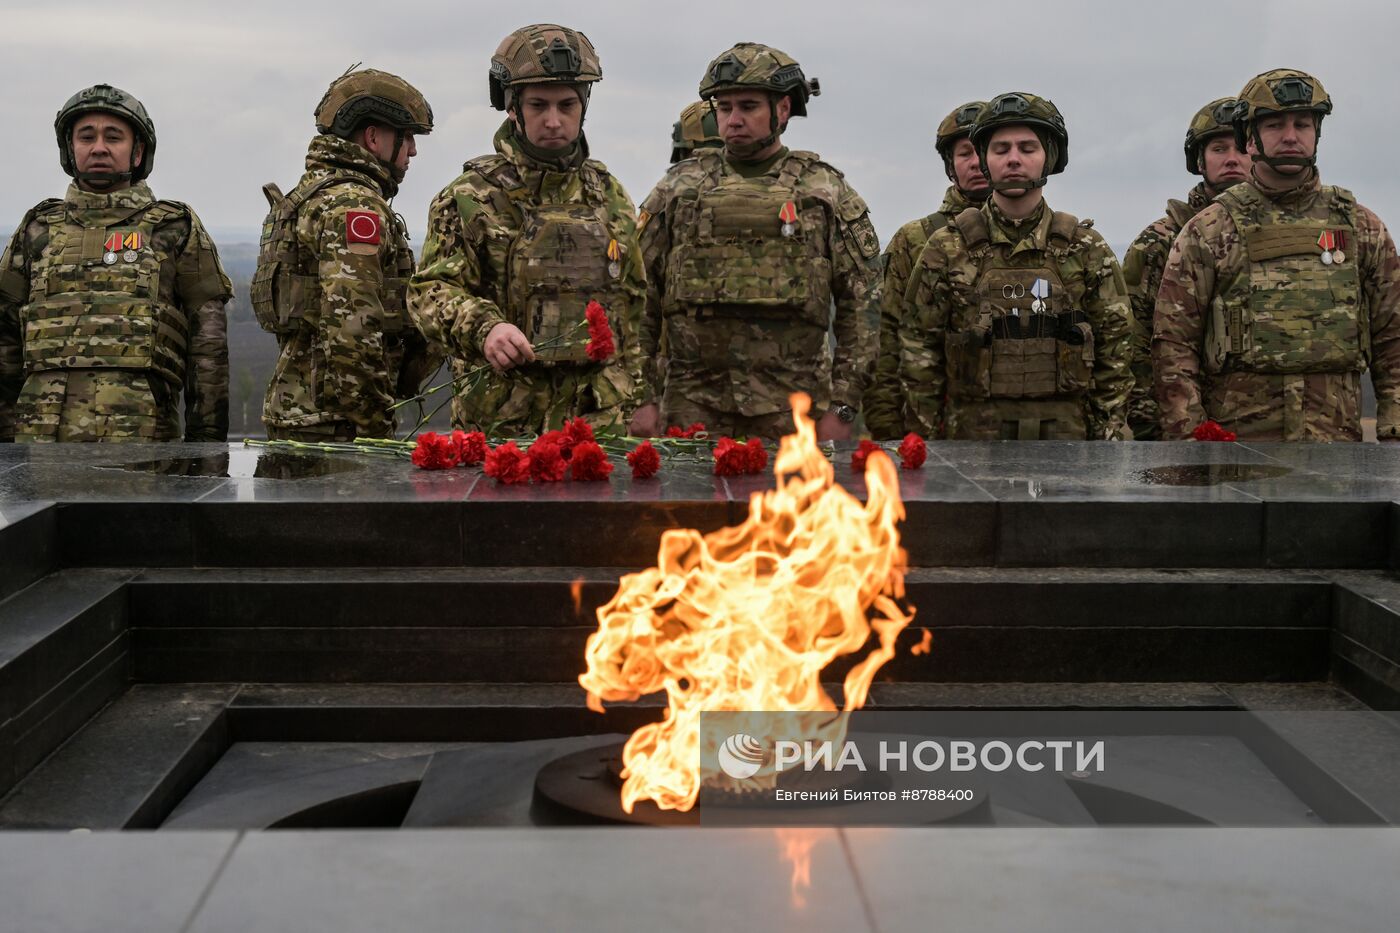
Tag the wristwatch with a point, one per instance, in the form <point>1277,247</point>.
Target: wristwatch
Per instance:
<point>846,413</point>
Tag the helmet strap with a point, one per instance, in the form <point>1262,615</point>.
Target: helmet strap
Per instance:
<point>1279,162</point>
<point>746,152</point>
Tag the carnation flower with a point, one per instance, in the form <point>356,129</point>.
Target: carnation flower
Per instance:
<point>912,451</point>
<point>644,460</point>
<point>589,463</point>
<point>687,433</point>
<point>546,461</point>
<point>600,336</point>
<point>756,456</point>
<point>434,452</point>
<point>471,447</point>
<point>1210,431</point>
<point>577,432</point>
<point>862,454</point>
<point>735,459</point>
<point>508,464</point>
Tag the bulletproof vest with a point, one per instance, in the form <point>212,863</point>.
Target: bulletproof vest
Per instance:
<point>287,284</point>
<point>751,246</point>
<point>1029,337</point>
<point>1287,311</point>
<point>102,292</point>
<point>1178,213</point>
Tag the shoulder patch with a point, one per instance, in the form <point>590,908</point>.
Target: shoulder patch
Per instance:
<point>363,231</point>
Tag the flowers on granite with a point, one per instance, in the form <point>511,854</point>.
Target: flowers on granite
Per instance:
<point>912,451</point>
<point>695,429</point>
<point>1210,431</point>
<point>861,454</point>
<point>644,461</point>
<point>471,447</point>
<point>735,459</point>
<point>434,452</point>
<point>508,464</point>
<point>589,463</point>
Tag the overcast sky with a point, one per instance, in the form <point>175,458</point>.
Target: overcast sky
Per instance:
<point>232,87</point>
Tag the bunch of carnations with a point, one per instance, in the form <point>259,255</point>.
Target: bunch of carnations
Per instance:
<point>913,451</point>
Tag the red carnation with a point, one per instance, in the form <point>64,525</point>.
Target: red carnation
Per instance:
<point>558,439</point>
<point>600,336</point>
<point>471,448</point>
<point>434,452</point>
<point>508,464</point>
<point>546,461</point>
<point>734,459</point>
<point>755,456</point>
<point>1210,431</point>
<point>644,460</point>
<point>589,463</point>
<point>912,451</point>
<point>577,432</point>
<point>862,454</point>
<point>687,433</point>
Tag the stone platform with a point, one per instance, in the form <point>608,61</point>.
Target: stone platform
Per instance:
<point>223,638</point>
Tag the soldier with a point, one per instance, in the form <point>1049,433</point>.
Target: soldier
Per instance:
<point>1278,295</point>
<point>746,248</point>
<point>884,400</point>
<point>334,266</point>
<point>520,244</point>
<point>111,302</point>
<point>1018,314</point>
<point>1211,153</point>
<point>696,129</point>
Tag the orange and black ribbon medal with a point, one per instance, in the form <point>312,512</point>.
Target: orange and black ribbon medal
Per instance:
<point>788,215</point>
<point>614,259</point>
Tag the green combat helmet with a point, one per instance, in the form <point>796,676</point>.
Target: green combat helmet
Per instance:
<point>543,54</point>
<point>696,129</point>
<point>751,66</point>
<point>370,96</point>
<point>1214,119</point>
<point>1021,109</point>
<point>106,99</point>
<point>1278,91</point>
<point>955,126</point>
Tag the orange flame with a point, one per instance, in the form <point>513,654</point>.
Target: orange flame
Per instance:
<point>746,618</point>
<point>798,843</point>
<point>923,647</point>
<point>576,594</point>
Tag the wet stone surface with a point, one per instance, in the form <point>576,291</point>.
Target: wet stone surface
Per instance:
<point>1209,474</point>
<point>245,463</point>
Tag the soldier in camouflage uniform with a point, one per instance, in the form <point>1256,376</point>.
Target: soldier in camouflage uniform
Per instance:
<point>884,400</point>
<point>1018,326</point>
<point>1211,153</point>
<point>334,266</point>
<point>522,241</point>
<point>111,302</point>
<point>746,249</point>
<point>696,129</point>
<point>1277,296</point>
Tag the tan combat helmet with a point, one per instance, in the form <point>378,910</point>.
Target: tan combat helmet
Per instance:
<point>105,99</point>
<point>760,67</point>
<point>1214,119</point>
<point>955,126</point>
<point>1278,91</point>
<point>370,96</point>
<point>696,129</point>
<point>1021,109</point>
<point>543,54</point>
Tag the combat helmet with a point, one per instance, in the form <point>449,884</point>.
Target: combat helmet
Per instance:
<point>370,96</point>
<point>543,54</point>
<point>1018,108</point>
<point>696,129</point>
<point>760,67</point>
<point>105,99</point>
<point>1278,91</point>
<point>955,126</point>
<point>1214,119</point>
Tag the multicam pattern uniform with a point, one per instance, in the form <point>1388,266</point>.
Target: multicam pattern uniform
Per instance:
<point>97,344</point>
<point>885,416</point>
<point>1071,384</point>
<point>747,310</point>
<point>348,349</point>
<point>1142,271</point>
<point>1274,349</point>
<point>514,241</point>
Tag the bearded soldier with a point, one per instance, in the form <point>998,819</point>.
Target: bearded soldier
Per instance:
<point>111,302</point>
<point>522,242</point>
<point>696,129</point>
<point>334,266</point>
<point>884,402</point>
<point>1019,316</point>
<point>1279,295</point>
<point>747,247</point>
<point>1211,153</point>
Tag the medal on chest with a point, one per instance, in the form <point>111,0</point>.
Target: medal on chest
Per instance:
<point>1039,291</point>
<point>614,259</point>
<point>788,215</point>
<point>1332,243</point>
<point>127,243</point>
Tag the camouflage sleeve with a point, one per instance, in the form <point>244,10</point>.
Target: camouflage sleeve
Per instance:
<point>655,245</point>
<point>204,289</point>
<point>883,402</point>
<point>855,267</point>
<point>1142,273</point>
<point>1107,307</point>
<point>923,369</point>
<point>634,283</point>
<point>351,321</point>
<point>1178,331</point>
<point>1380,289</point>
<point>14,292</point>
<point>448,297</point>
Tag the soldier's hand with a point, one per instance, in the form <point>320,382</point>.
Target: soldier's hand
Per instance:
<point>506,348</point>
<point>832,428</point>
<point>646,422</point>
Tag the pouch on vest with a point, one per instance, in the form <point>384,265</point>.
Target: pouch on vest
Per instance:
<point>282,294</point>
<point>969,355</point>
<point>1074,348</point>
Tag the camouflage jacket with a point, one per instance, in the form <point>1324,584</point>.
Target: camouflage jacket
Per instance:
<point>189,351</point>
<point>466,282</point>
<point>943,300</point>
<point>351,350</point>
<point>1198,369</point>
<point>746,309</point>
<point>884,400</point>
<point>1142,271</point>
